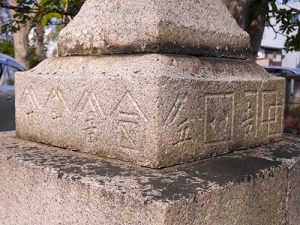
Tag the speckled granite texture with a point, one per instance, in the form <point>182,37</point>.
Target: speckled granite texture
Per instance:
<point>203,28</point>
<point>47,185</point>
<point>153,110</point>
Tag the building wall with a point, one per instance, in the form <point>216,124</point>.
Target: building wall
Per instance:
<point>271,41</point>
<point>291,59</point>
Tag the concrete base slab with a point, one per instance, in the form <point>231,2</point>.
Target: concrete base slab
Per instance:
<point>47,185</point>
<point>153,110</point>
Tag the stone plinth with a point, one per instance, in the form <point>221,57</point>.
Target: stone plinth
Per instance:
<point>46,185</point>
<point>203,28</point>
<point>153,110</point>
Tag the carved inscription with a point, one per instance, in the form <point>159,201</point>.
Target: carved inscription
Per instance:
<point>29,101</point>
<point>89,103</point>
<point>249,117</point>
<point>261,114</point>
<point>91,110</point>
<point>183,132</point>
<point>56,104</point>
<point>90,126</point>
<point>219,115</point>
<point>177,106</point>
<point>178,118</point>
<point>129,116</point>
<point>272,111</point>
<point>127,135</point>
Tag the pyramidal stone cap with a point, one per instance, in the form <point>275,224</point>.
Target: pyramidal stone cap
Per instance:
<point>192,27</point>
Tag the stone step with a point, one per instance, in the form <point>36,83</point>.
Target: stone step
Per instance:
<point>153,110</point>
<point>46,185</point>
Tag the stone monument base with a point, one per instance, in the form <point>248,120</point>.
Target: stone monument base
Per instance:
<point>153,110</point>
<point>47,185</point>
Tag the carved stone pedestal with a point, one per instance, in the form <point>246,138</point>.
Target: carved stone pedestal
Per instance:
<point>165,102</point>
<point>153,110</point>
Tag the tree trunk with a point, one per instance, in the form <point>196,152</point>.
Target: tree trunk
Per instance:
<point>3,36</point>
<point>39,42</point>
<point>21,45</point>
<point>246,14</point>
<point>1,19</point>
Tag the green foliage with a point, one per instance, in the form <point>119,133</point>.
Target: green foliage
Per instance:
<point>266,10</point>
<point>41,12</point>
<point>53,34</point>
<point>7,47</point>
<point>290,24</point>
<point>49,16</point>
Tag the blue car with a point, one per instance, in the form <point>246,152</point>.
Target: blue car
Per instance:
<point>8,67</point>
<point>292,76</point>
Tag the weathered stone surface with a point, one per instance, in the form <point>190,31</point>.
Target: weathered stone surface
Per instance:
<point>294,198</point>
<point>46,185</point>
<point>154,110</point>
<point>203,28</point>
